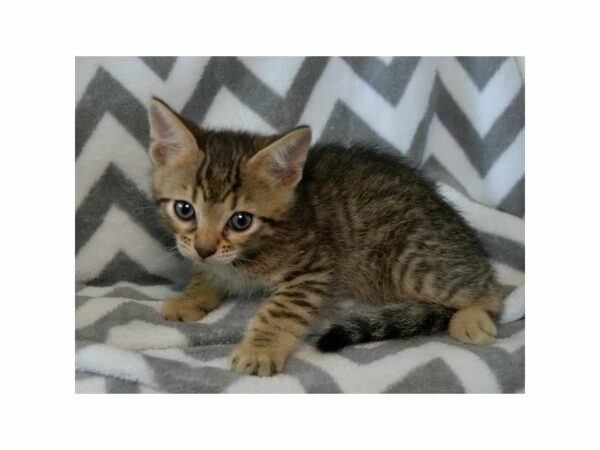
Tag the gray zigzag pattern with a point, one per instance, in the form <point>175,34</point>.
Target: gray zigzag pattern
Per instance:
<point>104,94</point>
<point>206,342</point>
<point>160,65</point>
<point>281,113</point>
<point>121,267</point>
<point>481,69</point>
<point>389,80</point>
<point>114,188</point>
<point>345,126</point>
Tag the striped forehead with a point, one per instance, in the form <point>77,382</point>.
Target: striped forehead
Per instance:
<point>218,174</point>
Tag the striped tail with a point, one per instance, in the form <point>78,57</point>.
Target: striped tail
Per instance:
<point>390,322</point>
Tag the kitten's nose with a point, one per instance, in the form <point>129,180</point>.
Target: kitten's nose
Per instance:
<point>205,252</point>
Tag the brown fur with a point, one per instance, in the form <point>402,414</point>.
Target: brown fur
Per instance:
<point>328,223</point>
<point>199,298</point>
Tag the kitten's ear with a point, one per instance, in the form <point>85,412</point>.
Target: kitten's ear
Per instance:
<point>170,138</point>
<point>283,160</point>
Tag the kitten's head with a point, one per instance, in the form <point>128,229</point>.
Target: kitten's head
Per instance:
<point>222,192</point>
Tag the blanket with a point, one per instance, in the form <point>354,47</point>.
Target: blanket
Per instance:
<point>461,120</point>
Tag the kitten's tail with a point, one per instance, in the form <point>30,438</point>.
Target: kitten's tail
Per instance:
<point>390,322</point>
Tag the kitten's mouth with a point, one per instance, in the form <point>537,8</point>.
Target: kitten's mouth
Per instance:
<point>211,261</point>
<point>222,259</point>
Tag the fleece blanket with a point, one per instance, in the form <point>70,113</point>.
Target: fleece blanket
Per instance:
<point>459,119</point>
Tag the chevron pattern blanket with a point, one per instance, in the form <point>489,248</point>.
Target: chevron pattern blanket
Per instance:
<point>460,119</point>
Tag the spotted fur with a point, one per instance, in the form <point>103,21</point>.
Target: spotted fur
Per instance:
<point>329,222</point>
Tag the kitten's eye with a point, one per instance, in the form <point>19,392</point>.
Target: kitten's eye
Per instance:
<point>184,210</point>
<point>240,221</point>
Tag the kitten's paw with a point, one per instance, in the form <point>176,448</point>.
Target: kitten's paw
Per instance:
<point>263,362</point>
<point>472,325</point>
<point>183,310</point>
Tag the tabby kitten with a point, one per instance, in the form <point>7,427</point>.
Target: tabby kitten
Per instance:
<point>312,225</point>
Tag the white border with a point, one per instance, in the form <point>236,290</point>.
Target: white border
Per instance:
<point>562,224</point>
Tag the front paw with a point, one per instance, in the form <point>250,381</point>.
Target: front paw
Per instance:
<point>183,310</point>
<point>264,362</point>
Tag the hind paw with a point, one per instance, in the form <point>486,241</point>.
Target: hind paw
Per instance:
<point>473,325</point>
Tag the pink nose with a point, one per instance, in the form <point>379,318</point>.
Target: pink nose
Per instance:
<point>205,252</point>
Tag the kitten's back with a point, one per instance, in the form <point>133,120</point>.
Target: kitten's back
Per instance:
<point>374,210</point>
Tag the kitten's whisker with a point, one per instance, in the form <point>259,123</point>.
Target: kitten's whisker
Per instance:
<point>171,252</point>
<point>242,259</point>
<point>168,255</point>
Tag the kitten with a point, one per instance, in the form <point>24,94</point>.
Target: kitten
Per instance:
<point>312,225</point>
